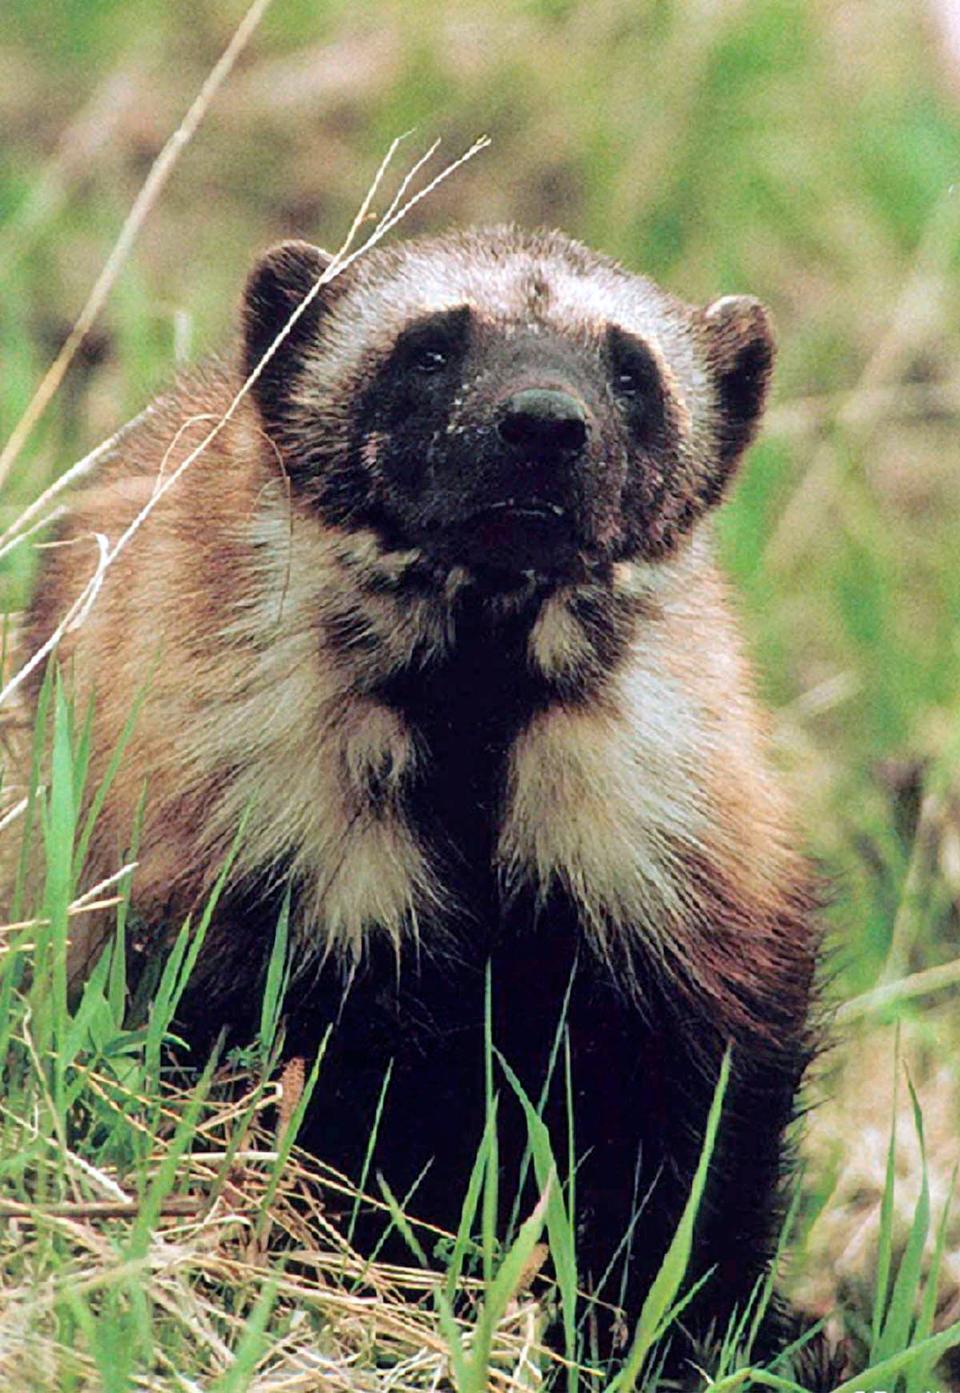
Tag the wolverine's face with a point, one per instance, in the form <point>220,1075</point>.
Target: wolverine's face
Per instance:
<point>508,403</point>
<point>511,445</point>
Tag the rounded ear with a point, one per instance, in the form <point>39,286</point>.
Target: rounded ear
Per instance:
<point>280,281</point>
<point>738,338</point>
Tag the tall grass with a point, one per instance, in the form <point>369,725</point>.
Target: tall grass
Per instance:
<point>124,1186</point>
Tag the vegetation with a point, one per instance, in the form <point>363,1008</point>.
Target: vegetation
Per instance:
<point>158,1232</point>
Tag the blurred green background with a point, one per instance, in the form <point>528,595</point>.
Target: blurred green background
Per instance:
<point>804,152</point>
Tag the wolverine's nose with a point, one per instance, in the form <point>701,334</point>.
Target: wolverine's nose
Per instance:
<point>543,420</point>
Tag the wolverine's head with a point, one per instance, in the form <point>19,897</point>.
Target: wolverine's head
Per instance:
<point>505,401</point>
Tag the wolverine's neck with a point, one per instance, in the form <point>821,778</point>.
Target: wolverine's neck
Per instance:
<point>411,632</point>
<point>465,706</point>
<point>482,680</point>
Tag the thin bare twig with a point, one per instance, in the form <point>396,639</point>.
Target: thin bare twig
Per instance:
<point>108,556</point>
<point>68,477</point>
<point>930,979</point>
<point>159,173</point>
<point>177,1206</point>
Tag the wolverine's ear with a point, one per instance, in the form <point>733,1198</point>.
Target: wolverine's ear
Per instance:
<point>737,334</point>
<point>281,281</point>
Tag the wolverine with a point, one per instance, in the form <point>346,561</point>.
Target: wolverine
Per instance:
<point>434,620</point>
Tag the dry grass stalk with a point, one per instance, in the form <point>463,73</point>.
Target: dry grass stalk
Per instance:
<point>921,298</point>
<point>397,210</point>
<point>158,175</point>
<point>341,1322</point>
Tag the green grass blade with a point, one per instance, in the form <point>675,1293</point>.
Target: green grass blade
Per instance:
<point>502,1290</point>
<point>559,1034</point>
<point>49,994</point>
<point>403,1206</point>
<point>490,1194</point>
<point>93,1021</point>
<point>81,757</point>
<point>921,1377</point>
<point>468,1209</point>
<point>745,1379</point>
<point>180,963</point>
<point>666,1285</point>
<point>881,1373</point>
<point>100,794</point>
<point>163,1181</point>
<point>571,1128</point>
<point>368,1153</point>
<point>906,1288</point>
<point>401,1222</point>
<point>117,989</point>
<point>163,1005</point>
<point>622,1249</point>
<point>253,1343</point>
<point>765,1294</point>
<point>12,965</point>
<point>560,1223</point>
<point>29,827</point>
<point>275,985</point>
<point>885,1237</point>
<point>451,1333</point>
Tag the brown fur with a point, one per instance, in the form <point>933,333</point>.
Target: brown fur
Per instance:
<point>643,804</point>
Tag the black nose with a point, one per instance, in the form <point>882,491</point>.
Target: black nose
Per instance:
<point>544,421</point>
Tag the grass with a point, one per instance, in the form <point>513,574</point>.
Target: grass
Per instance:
<point>149,1225</point>
<point>158,1233</point>
<point>805,154</point>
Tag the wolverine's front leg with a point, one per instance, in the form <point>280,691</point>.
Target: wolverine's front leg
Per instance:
<point>644,1075</point>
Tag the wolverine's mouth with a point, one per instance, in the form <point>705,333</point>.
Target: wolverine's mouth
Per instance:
<point>525,507</point>
<point>520,534</point>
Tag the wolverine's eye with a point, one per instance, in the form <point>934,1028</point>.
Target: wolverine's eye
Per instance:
<point>634,375</point>
<point>630,384</point>
<point>635,372</point>
<point>428,347</point>
<point>428,360</point>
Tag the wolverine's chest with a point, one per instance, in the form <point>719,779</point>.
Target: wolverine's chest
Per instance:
<point>416,774</point>
<point>464,714</point>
